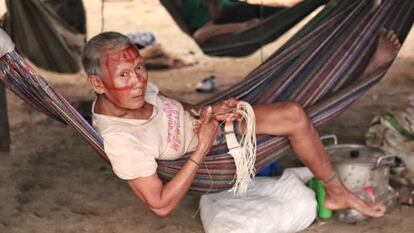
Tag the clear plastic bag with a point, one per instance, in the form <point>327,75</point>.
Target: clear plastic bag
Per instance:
<point>388,197</point>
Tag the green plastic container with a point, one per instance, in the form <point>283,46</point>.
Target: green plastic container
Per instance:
<point>319,190</point>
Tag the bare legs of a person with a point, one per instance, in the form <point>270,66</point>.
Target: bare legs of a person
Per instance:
<point>289,119</point>
<point>156,56</point>
<point>387,49</point>
<point>211,31</point>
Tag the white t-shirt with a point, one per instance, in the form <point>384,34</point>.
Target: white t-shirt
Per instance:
<point>133,145</point>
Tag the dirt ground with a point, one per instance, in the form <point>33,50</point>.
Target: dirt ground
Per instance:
<point>52,181</point>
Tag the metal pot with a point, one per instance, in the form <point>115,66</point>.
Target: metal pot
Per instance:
<point>360,166</point>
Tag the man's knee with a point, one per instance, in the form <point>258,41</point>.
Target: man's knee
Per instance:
<point>298,118</point>
<point>296,112</point>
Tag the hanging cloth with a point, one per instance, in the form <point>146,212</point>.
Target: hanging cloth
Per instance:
<point>43,37</point>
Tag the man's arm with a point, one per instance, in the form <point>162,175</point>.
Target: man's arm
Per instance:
<point>163,198</point>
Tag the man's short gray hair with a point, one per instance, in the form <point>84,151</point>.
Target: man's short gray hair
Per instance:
<point>99,44</point>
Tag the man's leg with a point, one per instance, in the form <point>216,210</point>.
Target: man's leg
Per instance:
<point>289,119</point>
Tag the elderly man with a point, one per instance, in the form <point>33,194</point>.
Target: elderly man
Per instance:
<point>140,126</point>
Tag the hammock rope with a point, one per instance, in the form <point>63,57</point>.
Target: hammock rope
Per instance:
<point>319,68</point>
<point>243,153</point>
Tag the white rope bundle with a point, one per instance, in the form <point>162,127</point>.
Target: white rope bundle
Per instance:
<point>244,154</point>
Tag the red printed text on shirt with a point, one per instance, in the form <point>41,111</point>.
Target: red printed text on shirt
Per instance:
<point>172,111</point>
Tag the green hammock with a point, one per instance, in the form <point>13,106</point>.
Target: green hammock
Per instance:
<point>276,21</point>
<point>319,68</point>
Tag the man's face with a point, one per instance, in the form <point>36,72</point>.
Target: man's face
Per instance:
<point>125,77</point>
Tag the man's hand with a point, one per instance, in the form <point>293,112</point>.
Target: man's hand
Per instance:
<point>207,131</point>
<point>225,110</point>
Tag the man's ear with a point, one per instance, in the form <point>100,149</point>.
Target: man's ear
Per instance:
<point>96,83</point>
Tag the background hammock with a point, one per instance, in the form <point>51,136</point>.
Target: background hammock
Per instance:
<point>275,22</point>
<point>319,67</point>
<point>60,25</point>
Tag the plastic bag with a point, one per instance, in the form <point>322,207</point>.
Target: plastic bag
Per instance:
<point>394,133</point>
<point>269,205</point>
<point>387,197</point>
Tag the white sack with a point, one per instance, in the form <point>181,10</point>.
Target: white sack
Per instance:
<point>269,205</point>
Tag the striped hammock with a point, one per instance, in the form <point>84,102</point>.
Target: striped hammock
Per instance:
<point>319,68</point>
<point>274,22</point>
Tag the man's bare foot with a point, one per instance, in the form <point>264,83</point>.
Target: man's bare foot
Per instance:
<point>387,49</point>
<point>339,197</point>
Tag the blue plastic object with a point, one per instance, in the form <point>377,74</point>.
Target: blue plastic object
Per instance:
<point>273,169</point>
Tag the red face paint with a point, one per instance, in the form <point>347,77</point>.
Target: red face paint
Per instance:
<point>125,77</point>
<point>126,88</point>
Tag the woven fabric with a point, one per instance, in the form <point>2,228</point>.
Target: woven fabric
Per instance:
<point>320,68</point>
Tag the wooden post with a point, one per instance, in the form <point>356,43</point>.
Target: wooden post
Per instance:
<point>4,122</point>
